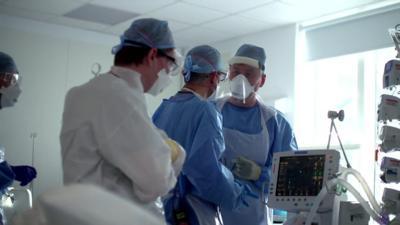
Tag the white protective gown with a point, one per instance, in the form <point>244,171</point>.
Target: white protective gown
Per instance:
<point>82,204</point>
<point>108,139</point>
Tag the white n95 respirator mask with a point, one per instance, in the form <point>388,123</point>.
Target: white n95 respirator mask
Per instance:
<point>163,80</point>
<point>240,87</point>
<point>9,95</point>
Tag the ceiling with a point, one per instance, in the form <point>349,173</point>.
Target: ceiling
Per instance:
<point>192,21</point>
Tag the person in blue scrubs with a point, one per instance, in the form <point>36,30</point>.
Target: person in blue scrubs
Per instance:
<point>252,132</point>
<point>195,123</point>
<point>9,93</point>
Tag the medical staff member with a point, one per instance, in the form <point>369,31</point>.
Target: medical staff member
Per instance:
<point>195,123</point>
<point>107,137</point>
<point>252,132</point>
<point>9,93</point>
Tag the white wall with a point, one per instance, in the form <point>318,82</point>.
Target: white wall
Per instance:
<point>356,35</point>
<point>279,45</point>
<point>51,59</point>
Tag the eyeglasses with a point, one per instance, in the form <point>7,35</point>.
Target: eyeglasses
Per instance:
<point>221,75</point>
<point>173,65</point>
<point>8,79</point>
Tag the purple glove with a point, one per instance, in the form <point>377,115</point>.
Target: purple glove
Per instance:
<point>24,174</point>
<point>6,176</point>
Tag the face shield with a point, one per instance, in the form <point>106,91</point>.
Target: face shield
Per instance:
<point>8,79</point>
<point>9,89</point>
<point>165,76</point>
<point>221,76</point>
<point>218,92</point>
<point>174,61</point>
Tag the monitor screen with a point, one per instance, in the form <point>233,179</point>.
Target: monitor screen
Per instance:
<point>300,175</point>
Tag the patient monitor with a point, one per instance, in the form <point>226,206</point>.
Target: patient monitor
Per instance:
<point>298,177</point>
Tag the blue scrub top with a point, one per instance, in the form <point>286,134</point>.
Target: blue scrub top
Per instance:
<point>196,124</point>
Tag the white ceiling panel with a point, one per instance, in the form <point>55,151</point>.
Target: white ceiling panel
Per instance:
<point>177,26</point>
<point>137,6</point>
<point>312,9</point>
<point>120,28</point>
<point>347,4</point>
<point>112,32</point>
<point>229,6</point>
<point>101,14</point>
<point>200,35</point>
<point>181,43</point>
<point>328,7</point>
<point>237,25</point>
<point>57,7</point>
<point>182,37</point>
<point>281,13</point>
<point>78,23</point>
<point>333,4</point>
<point>187,13</point>
<point>27,14</point>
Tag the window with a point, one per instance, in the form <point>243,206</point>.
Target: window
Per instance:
<point>352,83</point>
<point>329,84</point>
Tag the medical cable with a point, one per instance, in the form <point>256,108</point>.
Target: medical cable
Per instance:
<point>331,184</point>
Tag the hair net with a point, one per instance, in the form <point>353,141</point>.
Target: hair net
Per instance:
<point>251,55</point>
<point>7,64</point>
<point>147,32</point>
<point>202,59</point>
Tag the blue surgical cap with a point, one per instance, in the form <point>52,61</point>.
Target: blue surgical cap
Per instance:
<point>251,55</point>
<point>7,64</point>
<point>148,32</point>
<point>202,59</point>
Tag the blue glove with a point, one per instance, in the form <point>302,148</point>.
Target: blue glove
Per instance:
<point>24,174</point>
<point>246,194</point>
<point>264,178</point>
<point>6,176</point>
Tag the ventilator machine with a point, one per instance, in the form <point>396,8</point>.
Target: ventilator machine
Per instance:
<point>313,186</point>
